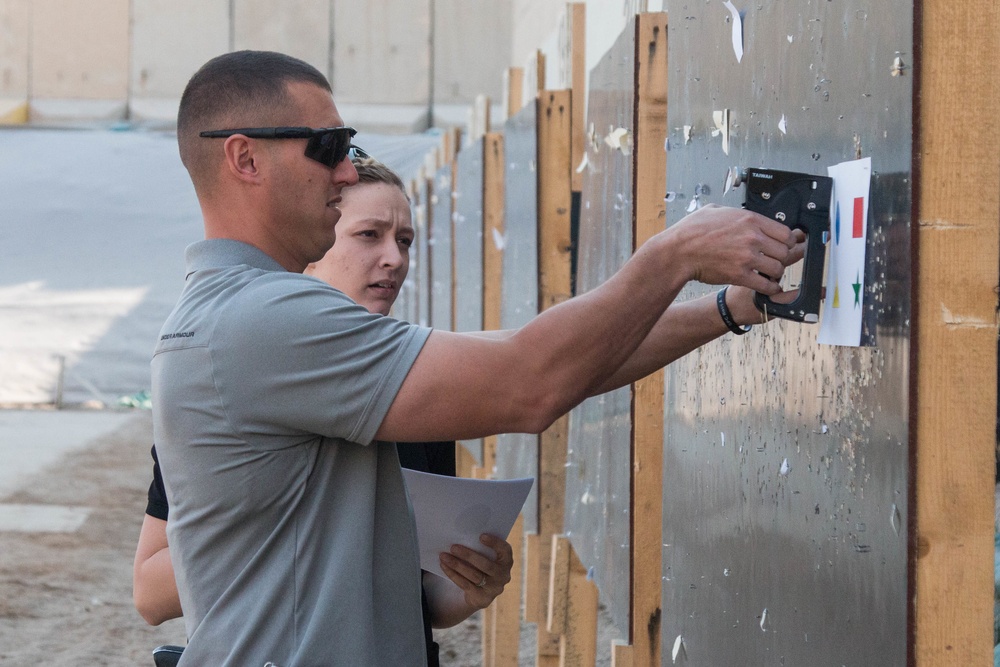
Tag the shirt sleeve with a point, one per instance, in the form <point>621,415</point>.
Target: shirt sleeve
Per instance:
<point>156,503</point>
<point>293,354</point>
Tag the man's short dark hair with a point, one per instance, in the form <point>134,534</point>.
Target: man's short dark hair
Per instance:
<point>238,89</point>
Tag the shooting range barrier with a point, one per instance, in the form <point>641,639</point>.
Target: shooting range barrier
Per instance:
<point>766,499</point>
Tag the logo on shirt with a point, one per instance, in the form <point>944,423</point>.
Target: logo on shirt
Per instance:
<point>181,334</point>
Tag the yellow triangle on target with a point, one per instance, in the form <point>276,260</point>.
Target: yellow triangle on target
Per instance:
<point>836,296</point>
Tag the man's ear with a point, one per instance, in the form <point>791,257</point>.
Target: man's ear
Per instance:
<point>241,158</point>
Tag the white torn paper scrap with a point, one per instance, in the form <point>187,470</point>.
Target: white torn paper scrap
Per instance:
<point>845,278</point>
<point>456,510</point>
<point>498,239</point>
<point>721,120</point>
<point>678,650</point>
<point>687,134</point>
<point>782,125</point>
<point>620,139</point>
<point>737,30</point>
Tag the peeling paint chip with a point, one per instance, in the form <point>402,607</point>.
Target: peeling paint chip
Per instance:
<point>619,139</point>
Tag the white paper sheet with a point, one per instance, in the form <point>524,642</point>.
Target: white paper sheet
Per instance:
<point>845,276</point>
<point>737,19</point>
<point>457,510</point>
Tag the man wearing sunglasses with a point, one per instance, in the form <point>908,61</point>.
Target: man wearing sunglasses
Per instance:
<point>277,399</point>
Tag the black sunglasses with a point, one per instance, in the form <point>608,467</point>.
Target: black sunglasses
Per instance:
<point>327,145</point>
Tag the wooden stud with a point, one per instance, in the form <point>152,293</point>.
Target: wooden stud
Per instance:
<point>621,654</point>
<point>575,58</point>
<point>534,77</point>
<point>649,217</point>
<point>578,643</point>
<point>539,65</point>
<point>559,565</point>
<point>506,627</point>
<point>573,604</point>
<point>493,228</point>
<point>532,588</point>
<point>513,90</point>
<point>554,202</point>
<point>953,350</point>
<point>554,197</point>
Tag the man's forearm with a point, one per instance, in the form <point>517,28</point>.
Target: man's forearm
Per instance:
<point>683,327</point>
<point>468,386</point>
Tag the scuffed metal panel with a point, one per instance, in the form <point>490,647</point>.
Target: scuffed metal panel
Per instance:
<point>517,453</point>
<point>786,462</point>
<point>422,270</point>
<point>407,303</point>
<point>440,250</point>
<point>598,482</point>
<point>469,239</point>
<point>469,251</point>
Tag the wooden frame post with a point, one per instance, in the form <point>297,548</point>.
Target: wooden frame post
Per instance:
<point>493,229</point>
<point>513,89</point>
<point>554,204</point>
<point>954,340</point>
<point>574,32</point>
<point>573,601</point>
<point>649,217</point>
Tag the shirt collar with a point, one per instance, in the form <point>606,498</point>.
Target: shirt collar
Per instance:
<point>220,253</point>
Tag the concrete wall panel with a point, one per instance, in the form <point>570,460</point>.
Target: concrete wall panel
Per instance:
<point>171,39</point>
<point>381,51</point>
<point>15,19</point>
<point>471,49</point>
<point>300,28</point>
<point>79,49</point>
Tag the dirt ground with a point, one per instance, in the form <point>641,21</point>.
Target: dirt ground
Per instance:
<point>66,598</point>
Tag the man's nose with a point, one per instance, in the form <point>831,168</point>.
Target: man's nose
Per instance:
<point>344,174</point>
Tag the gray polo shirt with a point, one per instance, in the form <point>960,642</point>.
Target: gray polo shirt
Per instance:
<point>290,530</point>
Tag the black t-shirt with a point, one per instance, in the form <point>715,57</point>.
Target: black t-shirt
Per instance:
<point>434,457</point>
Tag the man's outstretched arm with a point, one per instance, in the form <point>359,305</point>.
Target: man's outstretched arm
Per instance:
<point>688,325</point>
<point>466,386</point>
